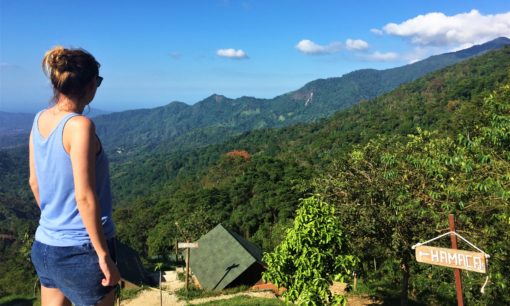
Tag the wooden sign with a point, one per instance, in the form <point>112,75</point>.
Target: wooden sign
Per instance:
<point>452,258</point>
<point>187,245</point>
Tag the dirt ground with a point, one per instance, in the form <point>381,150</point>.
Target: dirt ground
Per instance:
<point>151,296</point>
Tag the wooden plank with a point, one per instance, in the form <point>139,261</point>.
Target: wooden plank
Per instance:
<point>187,245</point>
<point>466,260</point>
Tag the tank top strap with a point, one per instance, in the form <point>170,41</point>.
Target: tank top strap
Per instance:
<point>59,130</point>
<point>36,119</point>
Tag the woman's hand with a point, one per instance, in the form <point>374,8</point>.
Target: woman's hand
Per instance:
<point>110,271</point>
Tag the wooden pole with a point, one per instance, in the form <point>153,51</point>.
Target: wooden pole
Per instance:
<point>176,252</point>
<point>456,272</point>
<point>187,267</point>
<point>160,289</point>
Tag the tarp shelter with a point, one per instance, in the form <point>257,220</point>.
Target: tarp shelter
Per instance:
<point>225,259</point>
<point>130,267</point>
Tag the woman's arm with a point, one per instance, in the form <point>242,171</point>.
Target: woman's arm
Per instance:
<point>79,139</point>
<point>32,181</point>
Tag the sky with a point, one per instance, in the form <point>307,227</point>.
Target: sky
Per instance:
<point>156,52</point>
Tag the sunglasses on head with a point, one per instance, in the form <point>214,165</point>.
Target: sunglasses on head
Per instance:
<point>99,80</point>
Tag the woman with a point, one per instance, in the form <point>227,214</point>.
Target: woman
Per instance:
<point>70,182</point>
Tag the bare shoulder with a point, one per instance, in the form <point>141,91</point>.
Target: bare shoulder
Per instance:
<point>81,124</point>
<point>78,130</point>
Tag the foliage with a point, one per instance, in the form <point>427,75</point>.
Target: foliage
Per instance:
<point>314,252</point>
<point>256,198</point>
<point>393,193</point>
<point>17,225</point>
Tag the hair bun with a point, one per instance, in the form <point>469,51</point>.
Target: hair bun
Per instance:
<point>55,58</point>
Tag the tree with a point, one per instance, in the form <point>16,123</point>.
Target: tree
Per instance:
<point>392,193</point>
<point>314,253</point>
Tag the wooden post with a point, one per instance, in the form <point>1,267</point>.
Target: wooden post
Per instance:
<point>355,281</point>
<point>160,289</point>
<point>456,272</point>
<point>188,253</point>
<point>176,252</point>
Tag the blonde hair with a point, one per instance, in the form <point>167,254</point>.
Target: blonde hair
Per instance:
<point>69,70</point>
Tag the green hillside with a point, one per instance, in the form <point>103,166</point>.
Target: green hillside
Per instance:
<point>178,126</point>
<point>447,100</point>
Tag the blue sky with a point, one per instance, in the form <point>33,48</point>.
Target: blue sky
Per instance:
<point>155,52</point>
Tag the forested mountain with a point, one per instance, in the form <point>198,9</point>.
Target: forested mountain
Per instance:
<point>217,118</point>
<point>447,100</point>
<point>253,183</point>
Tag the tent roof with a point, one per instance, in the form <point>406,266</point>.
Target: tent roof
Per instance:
<point>221,257</point>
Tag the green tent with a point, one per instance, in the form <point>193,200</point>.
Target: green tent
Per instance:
<point>225,259</point>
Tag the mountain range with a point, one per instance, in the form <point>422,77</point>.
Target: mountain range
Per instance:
<point>448,100</point>
<point>179,126</point>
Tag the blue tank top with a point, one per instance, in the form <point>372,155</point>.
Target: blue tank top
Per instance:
<point>60,223</point>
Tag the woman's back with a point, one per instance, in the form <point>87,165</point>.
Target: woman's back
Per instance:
<point>60,223</point>
<point>47,122</point>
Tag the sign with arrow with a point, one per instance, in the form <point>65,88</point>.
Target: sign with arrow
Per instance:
<point>452,258</point>
<point>187,245</point>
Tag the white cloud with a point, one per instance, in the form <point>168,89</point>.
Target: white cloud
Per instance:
<point>437,29</point>
<point>309,47</point>
<point>232,53</point>
<point>382,57</point>
<point>377,31</point>
<point>356,44</point>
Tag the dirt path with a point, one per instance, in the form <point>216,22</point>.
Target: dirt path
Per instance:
<point>151,296</point>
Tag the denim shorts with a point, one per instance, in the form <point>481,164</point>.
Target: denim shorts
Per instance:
<point>74,270</point>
